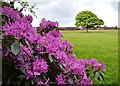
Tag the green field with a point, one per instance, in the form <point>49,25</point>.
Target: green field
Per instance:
<point>99,44</point>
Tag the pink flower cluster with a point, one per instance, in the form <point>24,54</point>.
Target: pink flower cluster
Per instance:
<point>11,13</point>
<point>45,24</point>
<point>42,52</point>
<point>39,66</point>
<point>61,79</point>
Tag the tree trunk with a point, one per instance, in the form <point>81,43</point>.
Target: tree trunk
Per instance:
<point>87,30</point>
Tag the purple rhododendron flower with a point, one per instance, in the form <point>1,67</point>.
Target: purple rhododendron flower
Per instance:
<point>103,67</point>
<point>39,66</point>
<point>10,12</point>
<point>56,33</point>
<point>29,74</point>
<point>85,81</point>
<point>61,55</point>
<point>95,63</point>
<point>74,66</point>
<point>61,79</point>
<point>79,70</point>
<point>41,82</point>
<point>29,18</point>
<point>26,52</point>
<point>39,48</point>
<point>22,29</point>
<point>45,23</point>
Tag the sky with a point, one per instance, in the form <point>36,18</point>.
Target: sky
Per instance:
<point>64,11</point>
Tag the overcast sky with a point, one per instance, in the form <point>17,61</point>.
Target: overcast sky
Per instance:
<point>64,11</point>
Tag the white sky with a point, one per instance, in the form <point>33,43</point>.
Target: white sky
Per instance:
<point>64,11</point>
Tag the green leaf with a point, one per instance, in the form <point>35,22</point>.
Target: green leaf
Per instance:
<point>21,77</point>
<point>90,78</point>
<point>76,79</point>
<point>23,62</point>
<point>93,70</point>
<point>37,56</point>
<point>97,74</point>
<point>42,52</point>
<point>15,47</point>
<point>44,76</point>
<point>22,59</point>
<point>60,65</point>
<point>32,82</point>
<point>70,80</point>
<point>98,78</point>
<point>50,58</point>
<point>24,42</point>
<point>102,77</point>
<point>23,71</point>
<point>51,82</point>
<point>27,43</point>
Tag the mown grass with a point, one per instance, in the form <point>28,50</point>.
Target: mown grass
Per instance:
<point>99,44</point>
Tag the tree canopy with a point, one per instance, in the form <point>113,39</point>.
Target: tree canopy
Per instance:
<point>88,20</point>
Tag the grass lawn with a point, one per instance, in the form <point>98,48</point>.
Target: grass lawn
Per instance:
<point>99,44</point>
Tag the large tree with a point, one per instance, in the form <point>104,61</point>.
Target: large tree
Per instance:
<point>88,20</point>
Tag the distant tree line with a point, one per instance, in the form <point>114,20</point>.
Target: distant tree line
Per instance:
<point>94,28</point>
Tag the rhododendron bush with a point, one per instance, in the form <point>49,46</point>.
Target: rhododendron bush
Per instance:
<point>40,56</point>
